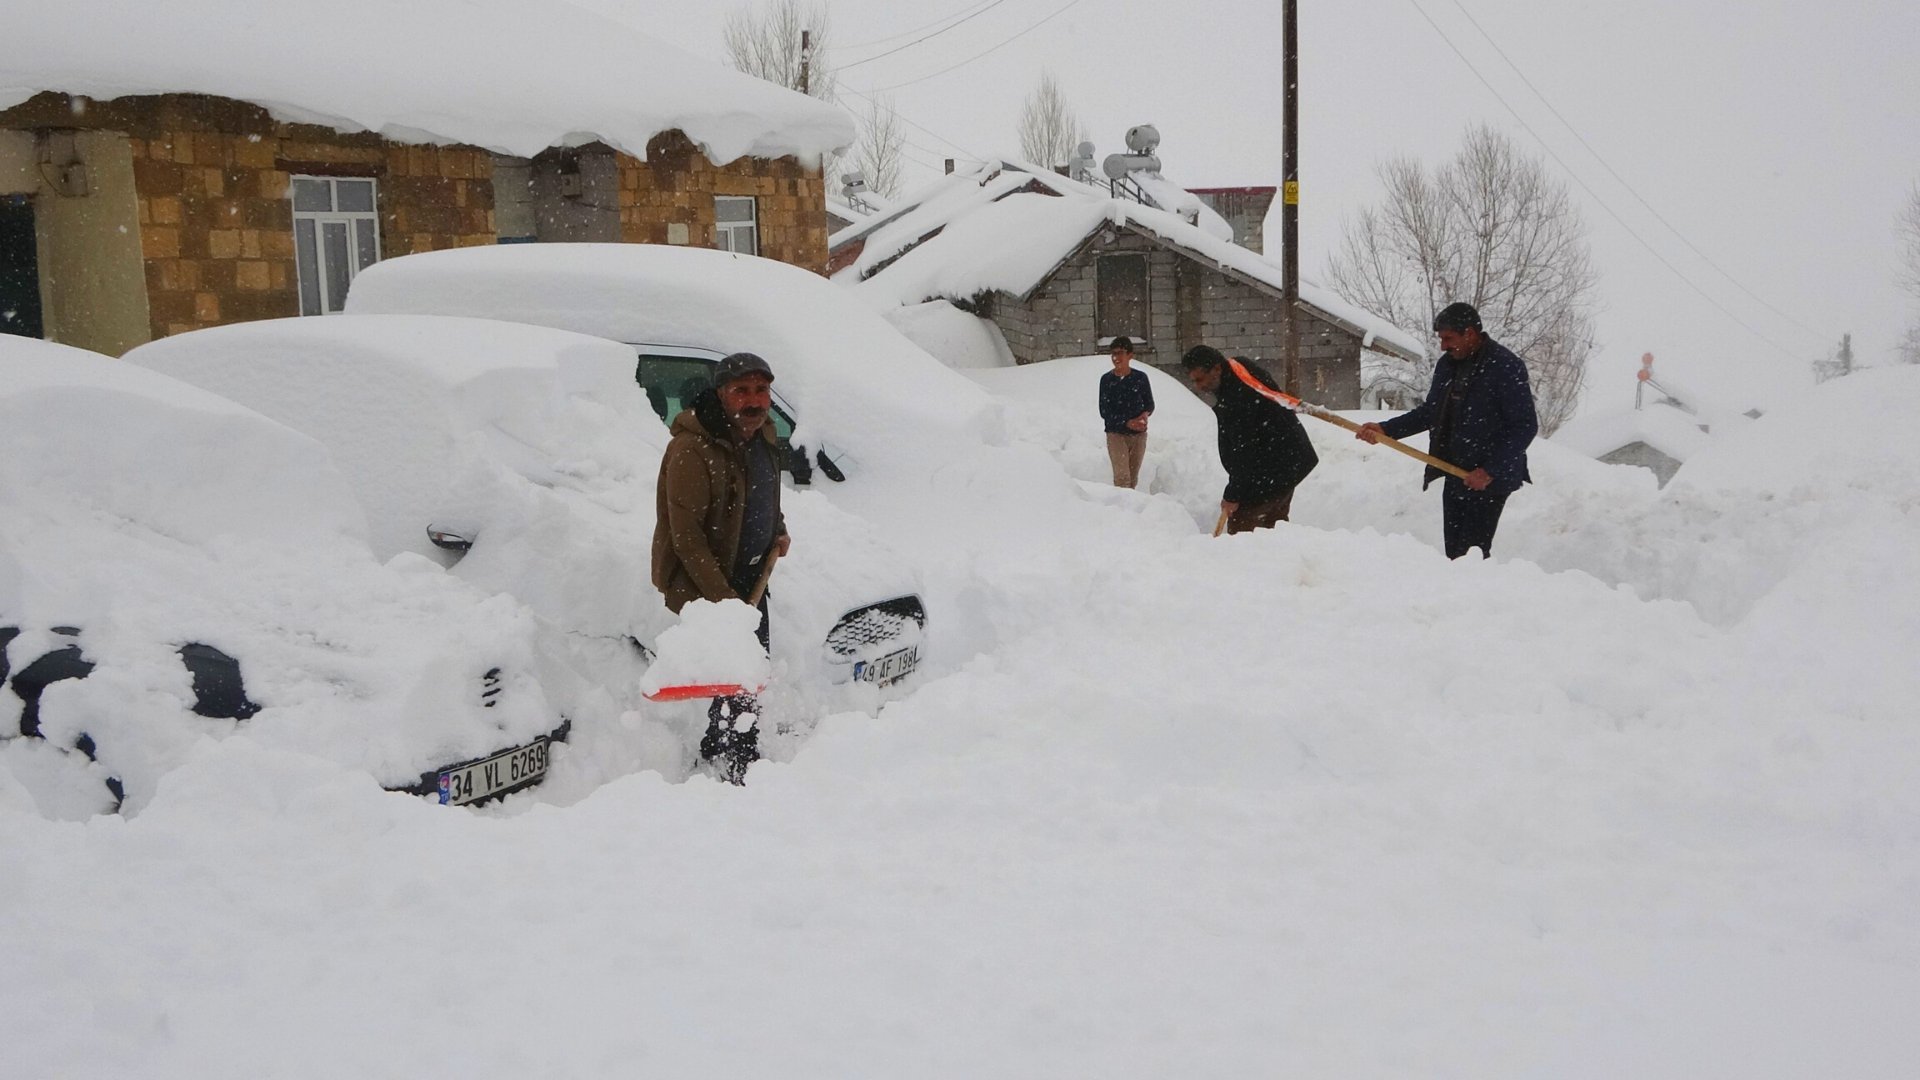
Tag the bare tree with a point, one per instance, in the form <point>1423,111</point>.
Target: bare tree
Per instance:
<point>764,41</point>
<point>1492,228</point>
<point>879,155</point>
<point>1907,231</point>
<point>1908,351</point>
<point>1050,131</point>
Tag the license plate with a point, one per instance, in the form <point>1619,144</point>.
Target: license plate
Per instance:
<point>507,771</point>
<point>889,669</point>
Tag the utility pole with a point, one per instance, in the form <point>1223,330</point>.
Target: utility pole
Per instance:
<point>806,57</point>
<point>1290,194</point>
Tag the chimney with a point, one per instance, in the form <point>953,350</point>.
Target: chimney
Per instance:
<point>949,166</point>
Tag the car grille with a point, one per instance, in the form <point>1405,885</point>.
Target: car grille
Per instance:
<point>860,629</point>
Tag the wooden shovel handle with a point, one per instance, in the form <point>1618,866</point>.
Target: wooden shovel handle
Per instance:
<point>1385,440</point>
<point>1220,526</point>
<point>766,574</point>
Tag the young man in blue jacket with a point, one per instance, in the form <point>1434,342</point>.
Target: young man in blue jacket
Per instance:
<point>1126,401</point>
<point>1480,415</point>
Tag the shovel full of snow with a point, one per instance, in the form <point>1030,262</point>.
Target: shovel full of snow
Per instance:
<point>713,652</point>
<point>1288,401</point>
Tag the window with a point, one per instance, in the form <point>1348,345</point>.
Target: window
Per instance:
<point>671,382</point>
<point>336,234</point>
<point>1120,298</point>
<point>736,224</point>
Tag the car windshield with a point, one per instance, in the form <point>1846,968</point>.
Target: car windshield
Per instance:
<point>671,382</point>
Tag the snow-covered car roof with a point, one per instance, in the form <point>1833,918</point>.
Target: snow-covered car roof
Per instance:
<point>451,392</point>
<point>138,447</point>
<point>139,515</point>
<point>538,437</point>
<point>512,77</point>
<point>845,370</point>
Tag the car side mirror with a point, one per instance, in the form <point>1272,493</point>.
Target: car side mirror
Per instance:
<point>449,539</point>
<point>798,465</point>
<point>827,466</point>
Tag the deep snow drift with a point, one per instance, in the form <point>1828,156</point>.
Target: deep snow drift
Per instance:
<point>1633,798</point>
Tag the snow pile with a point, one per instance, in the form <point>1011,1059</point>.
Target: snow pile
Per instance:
<point>851,377</point>
<point>82,429</point>
<point>508,77</point>
<point>712,644</point>
<point>1053,407</point>
<point>145,515</point>
<point>526,440</point>
<point>1309,801</point>
<point>951,336</point>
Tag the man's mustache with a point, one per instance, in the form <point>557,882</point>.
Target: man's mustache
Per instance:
<point>751,410</point>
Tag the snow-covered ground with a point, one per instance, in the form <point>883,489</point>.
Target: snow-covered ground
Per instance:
<point>1635,798</point>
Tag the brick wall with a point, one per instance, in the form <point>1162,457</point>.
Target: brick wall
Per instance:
<point>216,223</point>
<point>676,186</point>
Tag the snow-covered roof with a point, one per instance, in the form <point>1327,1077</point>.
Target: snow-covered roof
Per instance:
<point>512,77</point>
<point>1660,426</point>
<point>995,236</point>
<point>1180,202</point>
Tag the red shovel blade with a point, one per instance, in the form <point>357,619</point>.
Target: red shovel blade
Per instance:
<point>690,691</point>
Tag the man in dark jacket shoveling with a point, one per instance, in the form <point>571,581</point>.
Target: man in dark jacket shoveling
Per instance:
<point>1481,417</point>
<point>1265,450</point>
<point>718,522</point>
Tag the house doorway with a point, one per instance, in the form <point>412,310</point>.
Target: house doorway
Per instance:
<point>19,269</point>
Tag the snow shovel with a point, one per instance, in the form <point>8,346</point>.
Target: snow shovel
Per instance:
<point>1318,412</point>
<point>692,691</point>
<point>1221,525</point>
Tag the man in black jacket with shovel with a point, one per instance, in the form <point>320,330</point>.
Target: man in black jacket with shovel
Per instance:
<point>1480,417</point>
<point>1265,450</point>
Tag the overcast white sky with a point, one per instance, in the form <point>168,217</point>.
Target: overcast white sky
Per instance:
<point>1780,136</point>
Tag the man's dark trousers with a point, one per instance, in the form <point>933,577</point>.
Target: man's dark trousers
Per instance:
<point>1469,518</point>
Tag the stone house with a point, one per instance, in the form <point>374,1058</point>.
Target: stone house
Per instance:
<point>1062,268</point>
<point>181,186</point>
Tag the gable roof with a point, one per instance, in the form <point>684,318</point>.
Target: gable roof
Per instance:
<point>1005,229</point>
<point>1660,426</point>
<point>506,75</point>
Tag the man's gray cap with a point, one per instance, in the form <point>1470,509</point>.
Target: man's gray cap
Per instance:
<point>740,364</point>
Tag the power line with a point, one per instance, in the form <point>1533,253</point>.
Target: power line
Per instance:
<point>1057,12</point>
<point>906,33</point>
<point>1704,295</point>
<point>916,41</point>
<point>868,94</point>
<point>1658,216</point>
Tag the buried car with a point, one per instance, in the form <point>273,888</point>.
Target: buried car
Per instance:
<point>854,396</point>
<point>523,459</point>
<point>175,567</point>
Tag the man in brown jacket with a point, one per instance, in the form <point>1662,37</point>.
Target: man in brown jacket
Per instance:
<point>718,521</point>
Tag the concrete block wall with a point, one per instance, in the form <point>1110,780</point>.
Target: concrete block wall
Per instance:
<point>1060,319</point>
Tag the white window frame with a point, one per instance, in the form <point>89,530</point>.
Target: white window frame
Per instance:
<point>726,234</point>
<point>357,224</point>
